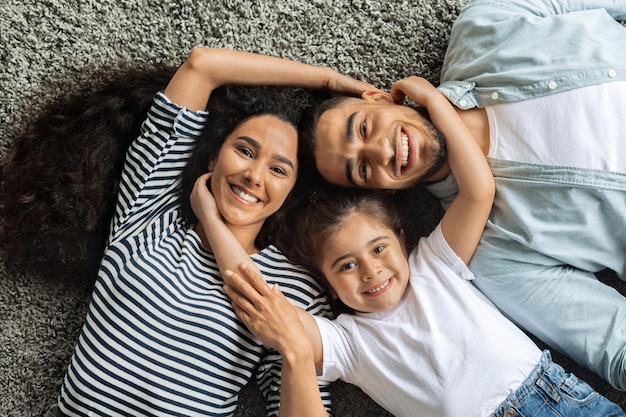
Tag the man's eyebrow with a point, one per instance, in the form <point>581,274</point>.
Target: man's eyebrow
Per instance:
<point>350,139</point>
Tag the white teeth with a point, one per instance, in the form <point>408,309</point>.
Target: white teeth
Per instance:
<point>382,287</point>
<point>243,195</point>
<point>405,150</point>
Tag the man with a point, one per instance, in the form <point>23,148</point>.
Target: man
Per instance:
<point>543,89</point>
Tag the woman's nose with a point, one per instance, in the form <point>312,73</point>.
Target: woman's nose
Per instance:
<point>254,175</point>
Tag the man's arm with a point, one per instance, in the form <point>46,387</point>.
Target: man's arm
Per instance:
<point>464,221</point>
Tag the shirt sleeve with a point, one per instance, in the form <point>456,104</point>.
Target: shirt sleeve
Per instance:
<point>155,159</point>
<point>437,245</point>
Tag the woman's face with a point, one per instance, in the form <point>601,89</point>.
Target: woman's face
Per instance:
<point>255,170</point>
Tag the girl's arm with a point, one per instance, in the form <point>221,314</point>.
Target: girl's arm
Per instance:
<point>464,221</point>
<point>208,68</point>
<point>265,311</point>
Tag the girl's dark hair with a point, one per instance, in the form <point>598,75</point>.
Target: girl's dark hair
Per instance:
<point>59,179</point>
<point>317,218</point>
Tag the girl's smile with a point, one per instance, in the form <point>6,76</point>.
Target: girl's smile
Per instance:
<point>366,265</point>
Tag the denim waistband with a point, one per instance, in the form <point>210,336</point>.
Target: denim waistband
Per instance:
<point>539,377</point>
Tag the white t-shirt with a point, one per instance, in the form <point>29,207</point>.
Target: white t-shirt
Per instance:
<point>444,350</point>
<point>520,131</point>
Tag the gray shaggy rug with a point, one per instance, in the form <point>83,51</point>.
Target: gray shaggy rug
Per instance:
<point>52,47</point>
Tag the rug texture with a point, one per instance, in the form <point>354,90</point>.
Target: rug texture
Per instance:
<point>49,48</point>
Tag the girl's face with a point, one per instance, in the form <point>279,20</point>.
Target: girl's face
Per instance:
<point>366,265</point>
<point>255,170</point>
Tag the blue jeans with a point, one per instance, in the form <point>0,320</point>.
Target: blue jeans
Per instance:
<point>550,392</point>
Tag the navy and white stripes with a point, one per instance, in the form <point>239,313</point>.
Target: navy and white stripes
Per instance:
<point>160,337</point>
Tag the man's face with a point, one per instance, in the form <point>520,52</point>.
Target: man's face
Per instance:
<point>376,144</point>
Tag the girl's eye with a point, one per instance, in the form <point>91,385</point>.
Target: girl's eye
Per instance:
<point>347,266</point>
<point>379,249</point>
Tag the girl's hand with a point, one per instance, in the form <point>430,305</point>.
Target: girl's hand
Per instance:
<point>416,88</point>
<point>202,200</point>
<point>266,312</point>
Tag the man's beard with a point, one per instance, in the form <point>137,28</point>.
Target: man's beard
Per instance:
<point>438,153</point>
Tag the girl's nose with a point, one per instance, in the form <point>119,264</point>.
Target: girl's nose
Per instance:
<point>370,270</point>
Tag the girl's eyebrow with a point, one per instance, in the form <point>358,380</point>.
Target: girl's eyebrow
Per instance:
<point>347,255</point>
<point>256,145</point>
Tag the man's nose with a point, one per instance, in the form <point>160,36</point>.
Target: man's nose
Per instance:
<point>379,151</point>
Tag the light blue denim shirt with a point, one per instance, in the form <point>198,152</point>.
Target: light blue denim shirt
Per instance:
<point>551,227</point>
<point>497,51</point>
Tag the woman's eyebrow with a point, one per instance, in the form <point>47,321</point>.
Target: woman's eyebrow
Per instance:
<point>256,145</point>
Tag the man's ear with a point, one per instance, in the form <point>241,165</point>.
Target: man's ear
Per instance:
<point>377,96</point>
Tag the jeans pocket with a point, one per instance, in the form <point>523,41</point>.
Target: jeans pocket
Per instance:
<point>576,391</point>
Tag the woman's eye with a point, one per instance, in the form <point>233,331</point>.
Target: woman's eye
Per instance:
<point>245,151</point>
<point>279,171</point>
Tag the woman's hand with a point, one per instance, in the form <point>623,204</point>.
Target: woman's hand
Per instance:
<point>340,84</point>
<point>202,200</point>
<point>266,312</point>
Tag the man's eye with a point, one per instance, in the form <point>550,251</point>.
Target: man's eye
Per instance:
<point>363,128</point>
<point>363,171</point>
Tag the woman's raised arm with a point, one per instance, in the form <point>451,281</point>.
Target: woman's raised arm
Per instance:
<point>205,69</point>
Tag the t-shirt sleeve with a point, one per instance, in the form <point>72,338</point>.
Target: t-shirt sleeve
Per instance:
<point>437,245</point>
<point>155,159</point>
<point>339,356</point>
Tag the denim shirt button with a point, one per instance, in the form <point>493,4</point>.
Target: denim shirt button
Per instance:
<point>463,102</point>
<point>495,95</point>
<point>552,85</point>
<point>510,412</point>
<point>612,73</point>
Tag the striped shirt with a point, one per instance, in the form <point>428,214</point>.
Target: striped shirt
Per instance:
<point>161,337</point>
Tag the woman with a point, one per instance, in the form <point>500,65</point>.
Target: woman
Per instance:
<point>160,337</point>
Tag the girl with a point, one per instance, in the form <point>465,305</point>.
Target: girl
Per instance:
<point>422,341</point>
<point>160,337</point>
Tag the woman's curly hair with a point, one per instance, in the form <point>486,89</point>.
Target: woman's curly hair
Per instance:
<point>59,179</point>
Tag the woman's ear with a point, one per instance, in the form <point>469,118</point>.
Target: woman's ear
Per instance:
<point>377,96</point>
<point>211,165</point>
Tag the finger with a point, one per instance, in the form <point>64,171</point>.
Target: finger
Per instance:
<point>255,279</point>
<point>243,287</point>
<point>238,299</point>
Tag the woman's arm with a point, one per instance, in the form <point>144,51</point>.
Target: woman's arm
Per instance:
<point>208,68</point>
<point>287,329</point>
<point>464,221</point>
<point>267,313</point>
